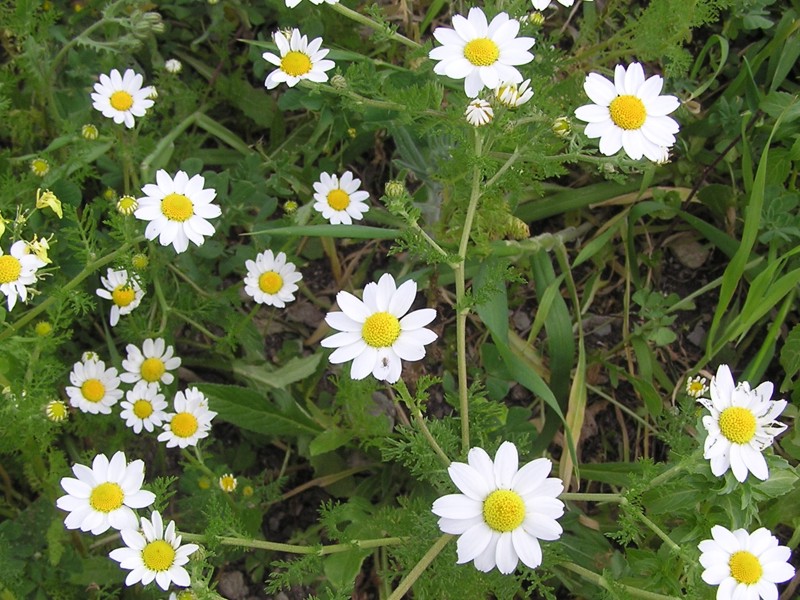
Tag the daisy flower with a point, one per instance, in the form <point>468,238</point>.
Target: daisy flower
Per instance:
<point>271,280</point>
<point>17,269</point>
<point>542,4</point>
<point>293,3</point>
<point>227,483</point>
<point>298,60</point>
<point>375,334</point>
<point>122,97</point>
<point>94,388</point>
<point>123,290</point>
<point>152,363</point>
<point>154,554</point>
<point>339,199</point>
<point>479,112</point>
<point>190,422</point>
<point>40,167</point>
<point>629,113</point>
<point>177,210</point>
<point>513,95</point>
<point>745,565</point>
<point>56,411</point>
<point>482,54</point>
<point>696,386</point>
<point>741,425</point>
<point>104,496</point>
<point>503,511</point>
<point>144,407</point>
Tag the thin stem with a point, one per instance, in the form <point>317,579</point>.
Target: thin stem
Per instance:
<point>585,497</point>
<point>294,548</point>
<point>364,20</point>
<point>417,414</point>
<point>69,286</point>
<point>420,567</point>
<point>461,289</point>
<point>658,531</point>
<point>602,582</point>
<point>624,408</point>
<point>666,475</point>
<point>506,166</point>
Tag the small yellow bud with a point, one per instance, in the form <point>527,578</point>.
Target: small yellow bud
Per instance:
<point>247,491</point>
<point>127,205</point>
<point>204,483</point>
<point>351,131</point>
<point>339,82</point>
<point>562,127</point>
<point>56,411</point>
<point>395,189</point>
<point>290,207</point>
<point>227,482</point>
<point>40,167</point>
<point>90,356</point>
<point>89,132</point>
<point>43,328</point>
<point>140,261</point>
<point>110,195</point>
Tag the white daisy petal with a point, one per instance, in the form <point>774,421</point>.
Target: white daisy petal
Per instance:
<point>298,59</point>
<point>120,97</point>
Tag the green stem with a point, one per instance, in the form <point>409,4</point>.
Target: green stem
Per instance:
<point>71,285</point>
<point>658,531</point>
<point>461,290</point>
<point>364,20</point>
<point>667,475</point>
<point>420,567</point>
<point>602,582</point>
<point>581,497</point>
<point>417,414</point>
<point>295,549</point>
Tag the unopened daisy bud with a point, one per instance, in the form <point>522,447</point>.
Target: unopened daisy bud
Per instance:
<point>696,386</point>
<point>536,18</point>
<point>518,229</point>
<point>338,81</point>
<point>247,491</point>
<point>49,199</point>
<point>40,167</point>
<point>90,356</point>
<point>56,411</point>
<point>204,483</point>
<point>174,66</point>
<point>145,23</point>
<point>395,189</point>
<point>152,93</point>
<point>227,483</point>
<point>352,132</point>
<point>213,2</point>
<point>513,95</point>
<point>89,132</point>
<point>110,195</point>
<point>562,127</point>
<point>127,205</point>
<point>290,207</point>
<point>183,595</point>
<point>43,328</point>
<point>479,112</point>
<point>140,261</point>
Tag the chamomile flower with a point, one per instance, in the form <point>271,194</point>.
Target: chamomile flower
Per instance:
<point>270,279</point>
<point>376,333</point>
<point>190,422</point>
<point>741,425</point>
<point>153,363</point>
<point>127,205</point>
<point>745,565</point>
<point>629,113</point>
<point>293,3</point>
<point>339,199</point>
<point>227,483</point>
<point>479,112</point>
<point>513,95</point>
<point>56,411</point>
<point>542,4</point>
<point>40,167</point>
<point>177,210</point>
<point>482,54</point>
<point>104,495</point>
<point>123,290</point>
<point>154,554</point>
<point>503,511</point>
<point>94,388</point>
<point>299,59</point>
<point>696,386</point>
<point>122,97</point>
<point>17,270</point>
<point>143,407</point>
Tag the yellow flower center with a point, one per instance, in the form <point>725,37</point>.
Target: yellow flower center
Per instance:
<point>10,269</point>
<point>227,483</point>
<point>56,411</point>
<point>745,567</point>
<point>152,369</point>
<point>270,282</point>
<point>296,63</point>
<point>504,510</point>
<point>142,408</point>
<point>121,100</point>
<point>338,200</point>
<point>123,295</point>
<point>380,330</point>
<point>737,424</point>
<point>696,387</point>
<point>158,555</point>
<point>177,207</point>
<point>40,166</point>
<point>93,390</point>
<point>106,497</point>
<point>627,112</point>
<point>481,52</point>
<point>184,424</point>
<point>127,205</point>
